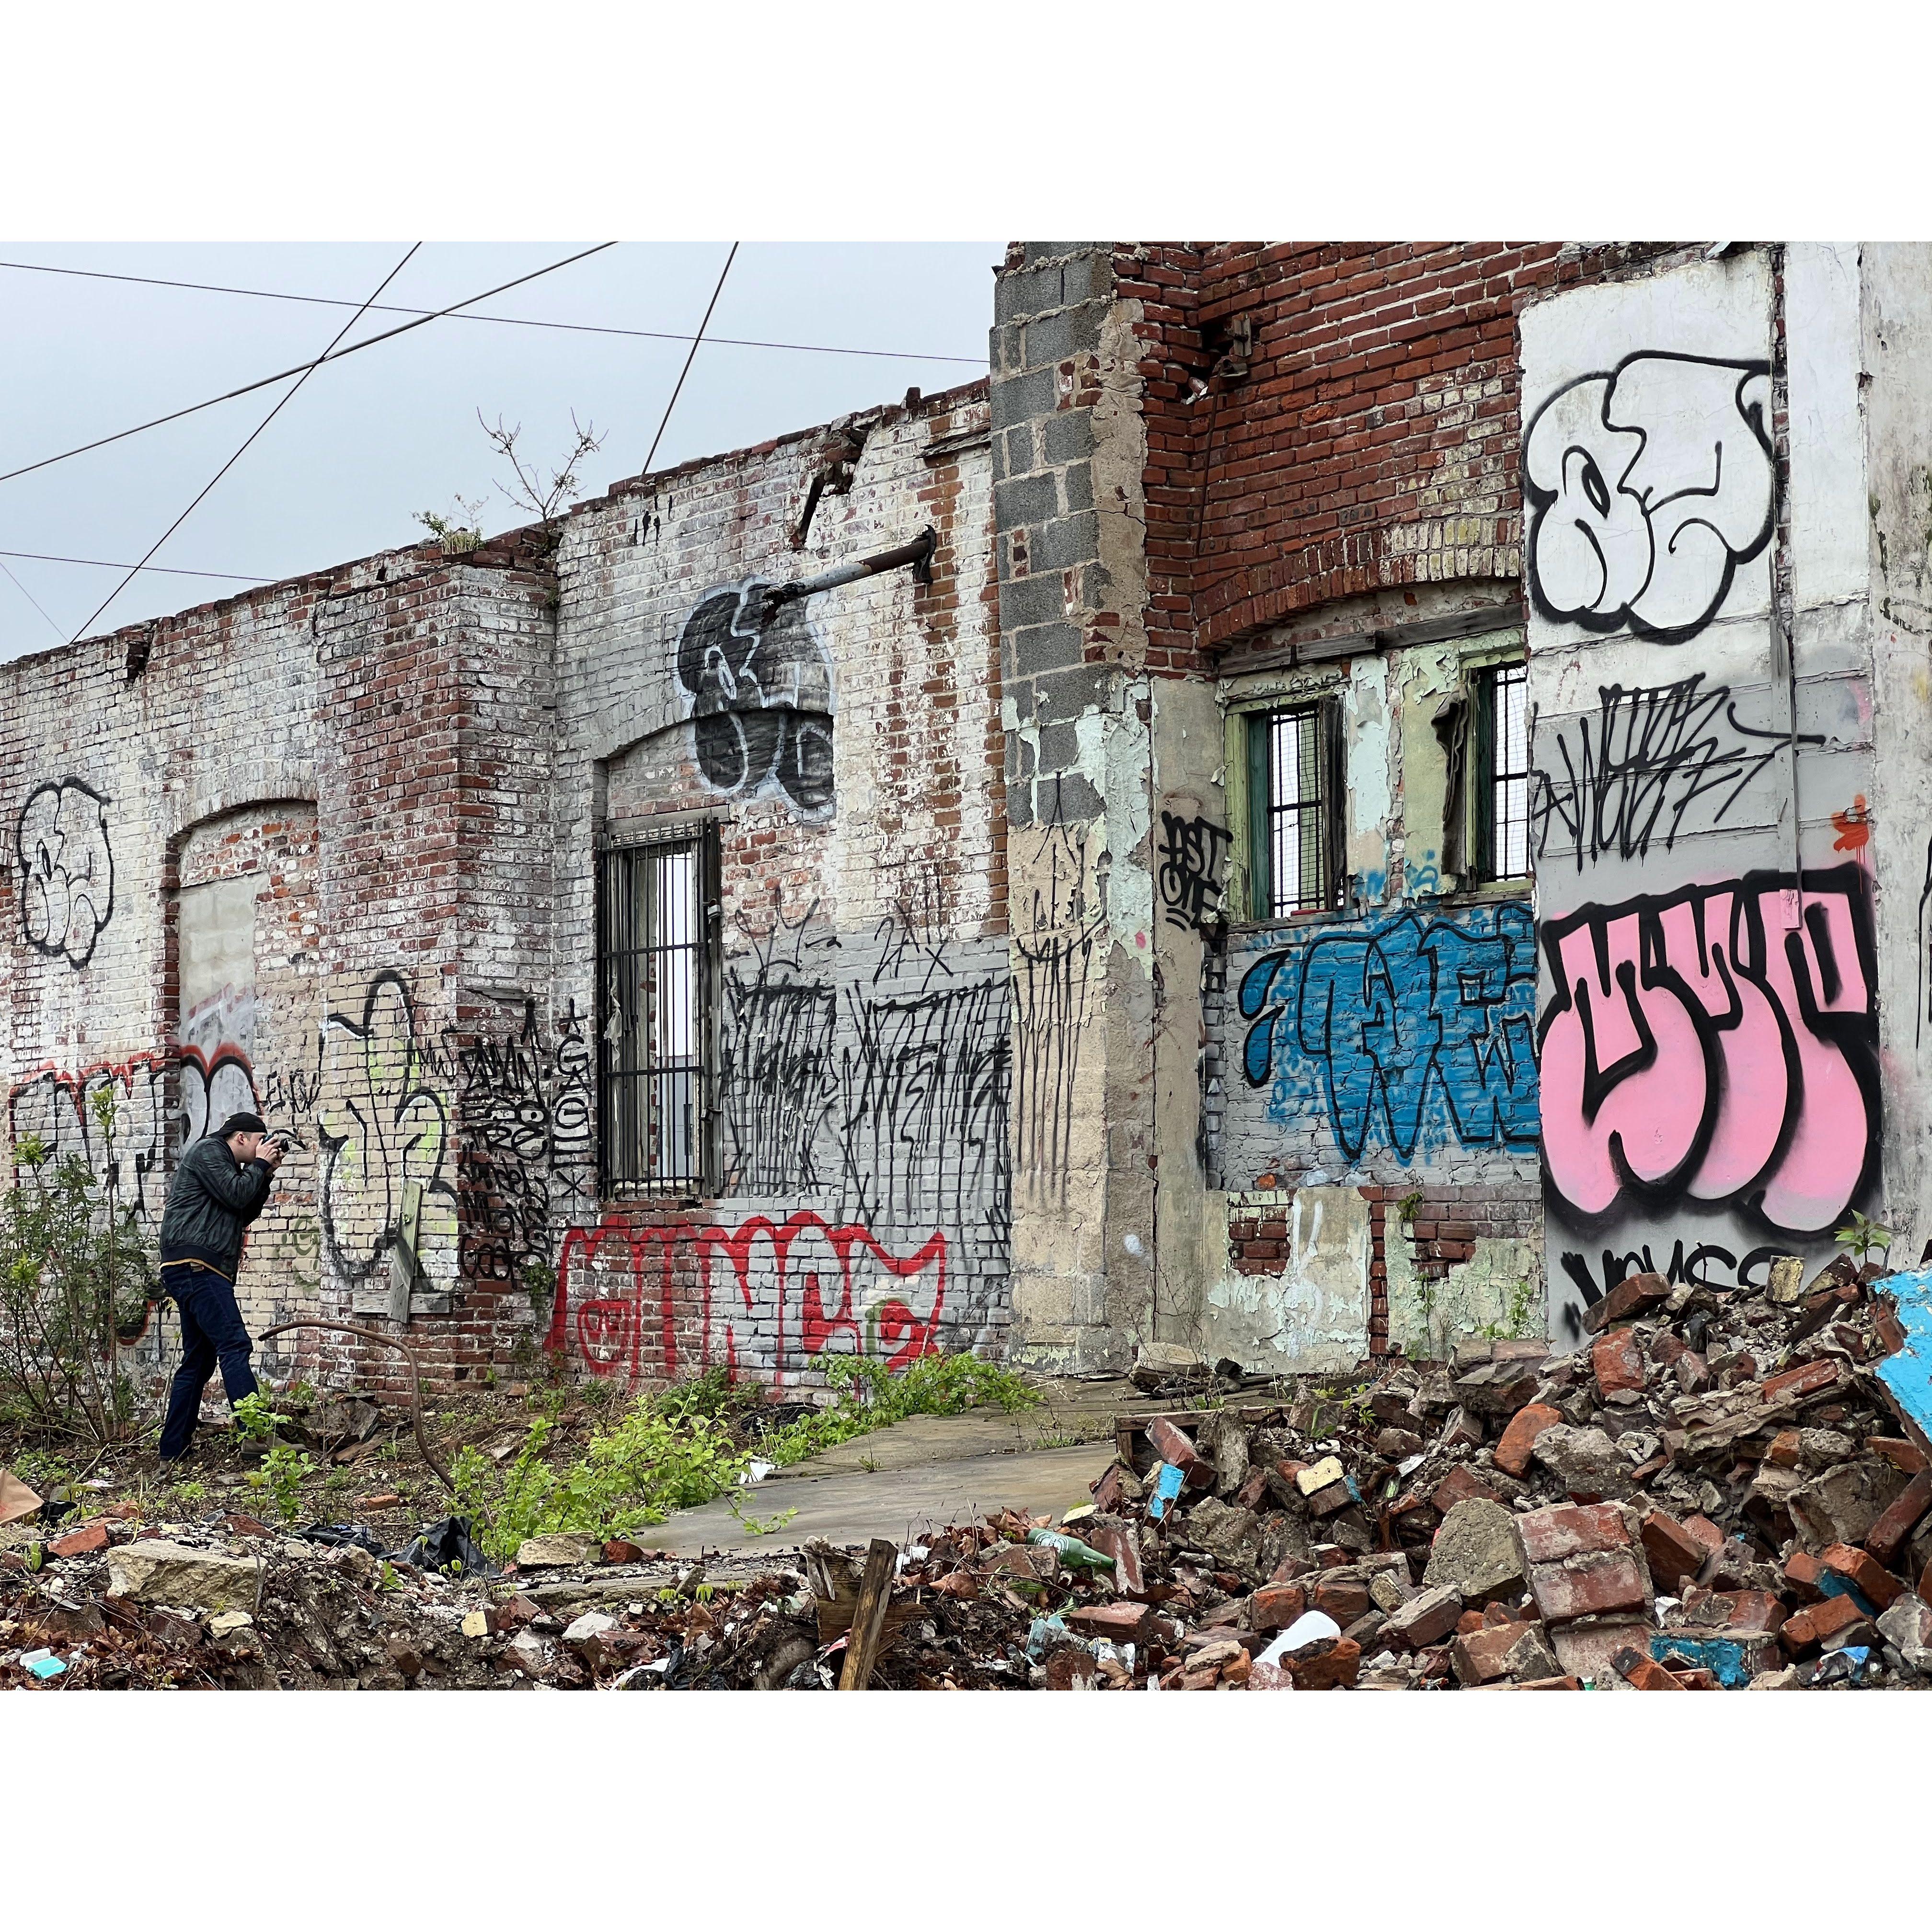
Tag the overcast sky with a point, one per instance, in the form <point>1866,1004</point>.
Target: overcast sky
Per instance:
<point>365,445</point>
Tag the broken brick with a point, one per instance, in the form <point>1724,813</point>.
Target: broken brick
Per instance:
<point>1275,1606</point>
<point>1571,1529</point>
<point>1460,1486</point>
<point>1643,1672</point>
<point>1343,1600</point>
<point>1617,1363</point>
<point>1585,1586</point>
<point>1122,1622</point>
<point>1901,1453</point>
<point>1480,1656</point>
<point>1636,1295</point>
<point>1513,1451</point>
<point>1901,1516</point>
<point>1808,1379</point>
<point>1173,1447</point>
<point>1674,1552</point>
<point>1815,1625</point>
<point>1426,1618</point>
<point>1801,1573</point>
<point>1330,1663</point>
<point>1864,1572</point>
<point>81,1542</point>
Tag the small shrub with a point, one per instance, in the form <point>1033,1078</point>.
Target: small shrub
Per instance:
<point>284,1471</point>
<point>255,1417</point>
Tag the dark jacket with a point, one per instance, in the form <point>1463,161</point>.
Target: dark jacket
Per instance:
<point>213,1199</point>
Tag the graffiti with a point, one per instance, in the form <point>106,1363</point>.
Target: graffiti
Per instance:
<point>1648,485</point>
<point>1638,767</point>
<point>67,869</point>
<point>1192,853</point>
<point>213,1086</point>
<point>1706,1264</point>
<point>1064,942</point>
<point>1419,1028</point>
<point>1853,826</point>
<point>382,1126</point>
<point>777,1082</point>
<point>1925,956</point>
<point>522,1115</point>
<point>924,1094</point>
<point>128,1155</point>
<point>1712,1046</point>
<point>760,692</point>
<point>772,1297</point>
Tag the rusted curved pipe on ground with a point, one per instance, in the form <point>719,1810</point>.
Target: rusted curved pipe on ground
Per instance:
<point>416,1381</point>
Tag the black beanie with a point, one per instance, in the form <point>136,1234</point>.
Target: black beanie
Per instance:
<point>242,1124</point>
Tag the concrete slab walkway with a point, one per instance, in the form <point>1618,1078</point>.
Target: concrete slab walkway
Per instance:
<point>928,1470</point>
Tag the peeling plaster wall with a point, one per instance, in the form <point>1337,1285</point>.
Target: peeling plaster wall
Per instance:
<point>1286,1274</point>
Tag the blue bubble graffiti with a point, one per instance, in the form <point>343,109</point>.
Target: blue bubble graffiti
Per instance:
<point>1418,1029</point>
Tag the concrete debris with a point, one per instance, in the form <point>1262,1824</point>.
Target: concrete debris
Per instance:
<point>1512,1519</point>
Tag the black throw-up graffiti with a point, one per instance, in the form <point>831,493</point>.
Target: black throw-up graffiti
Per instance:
<point>761,696</point>
<point>66,868</point>
<point>1647,485</point>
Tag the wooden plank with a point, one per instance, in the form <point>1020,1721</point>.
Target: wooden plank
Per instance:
<point>869,1617</point>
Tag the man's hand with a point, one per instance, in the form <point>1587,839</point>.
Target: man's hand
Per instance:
<point>270,1153</point>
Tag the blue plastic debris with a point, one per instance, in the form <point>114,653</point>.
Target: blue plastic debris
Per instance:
<point>1046,1634</point>
<point>43,1663</point>
<point>1722,1656</point>
<point>1908,1374</point>
<point>1166,1487</point>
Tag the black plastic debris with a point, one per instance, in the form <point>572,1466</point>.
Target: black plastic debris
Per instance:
<point>444,1542</point>
<point>336,1534</point>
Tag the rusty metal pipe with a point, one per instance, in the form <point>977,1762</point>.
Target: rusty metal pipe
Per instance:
<point>416,1381</point>
<point>918,553</point>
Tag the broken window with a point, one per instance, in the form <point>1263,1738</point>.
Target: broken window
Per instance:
<point>656,1002</point>
<point>1502,790</point>
<point>1294,784</point>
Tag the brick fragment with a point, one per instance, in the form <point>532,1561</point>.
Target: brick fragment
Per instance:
<point>81,1542</point>
<point>1480,1656</point>
<point>1674,1553</point>
<point>1172,1445</point>
<point>1276,1605</point>
<point>1818,1624</point>
<point>1887,1536</point>
<point>1571,1529</point>
<point>1643,1672</point>
<point>1801,1572</point>
<point>1636,1295</point>
<point>1330,1664</point>
<point>1124,1623</point>
<point>1808,1378</point>
<point>1459,1486</point>
<point>1513,1451</point>
<point>1864,1572</point>
<point>1617,1363</point>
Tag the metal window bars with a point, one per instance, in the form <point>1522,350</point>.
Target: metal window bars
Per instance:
<point>1298,829</point>
<point>1508,856</point>
<point>655,1005</point>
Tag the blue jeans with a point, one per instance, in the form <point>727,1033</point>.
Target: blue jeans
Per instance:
<point>212,1332</point>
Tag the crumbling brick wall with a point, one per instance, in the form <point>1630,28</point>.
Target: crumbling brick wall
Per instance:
<point>861,1198</point>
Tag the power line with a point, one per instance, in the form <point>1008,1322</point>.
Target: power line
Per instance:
<point>508,321</point>
<point>282,402</point>
<point>35,602</point>
<point>665,423</point>
<point>152,569</point>
<point>301,368</point>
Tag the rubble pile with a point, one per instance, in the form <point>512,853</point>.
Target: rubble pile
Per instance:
<point>1718,1489</point>
<point>1714,1491</point>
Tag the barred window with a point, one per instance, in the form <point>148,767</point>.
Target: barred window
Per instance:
<point>656,1030</point>
<point>1295,809</point>
<point>1502,773</point>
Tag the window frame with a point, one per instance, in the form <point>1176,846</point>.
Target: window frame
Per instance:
<point>1485,869</point>
<point>628,862</point>
<point>1259,722</point>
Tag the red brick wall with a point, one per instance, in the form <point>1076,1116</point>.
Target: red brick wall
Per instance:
<point>1372,442</point>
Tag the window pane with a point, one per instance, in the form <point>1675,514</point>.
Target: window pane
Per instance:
<point>1509,766</point>
<point>654,1031</point>
<point>1297,825</point>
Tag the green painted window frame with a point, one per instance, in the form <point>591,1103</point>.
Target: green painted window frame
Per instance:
<point>1252,808</point>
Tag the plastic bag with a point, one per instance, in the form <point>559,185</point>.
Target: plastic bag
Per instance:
<point>445,1542</point>
<point>335,1534</point>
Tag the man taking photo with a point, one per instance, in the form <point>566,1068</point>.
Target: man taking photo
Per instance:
<point>220,1186</point>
